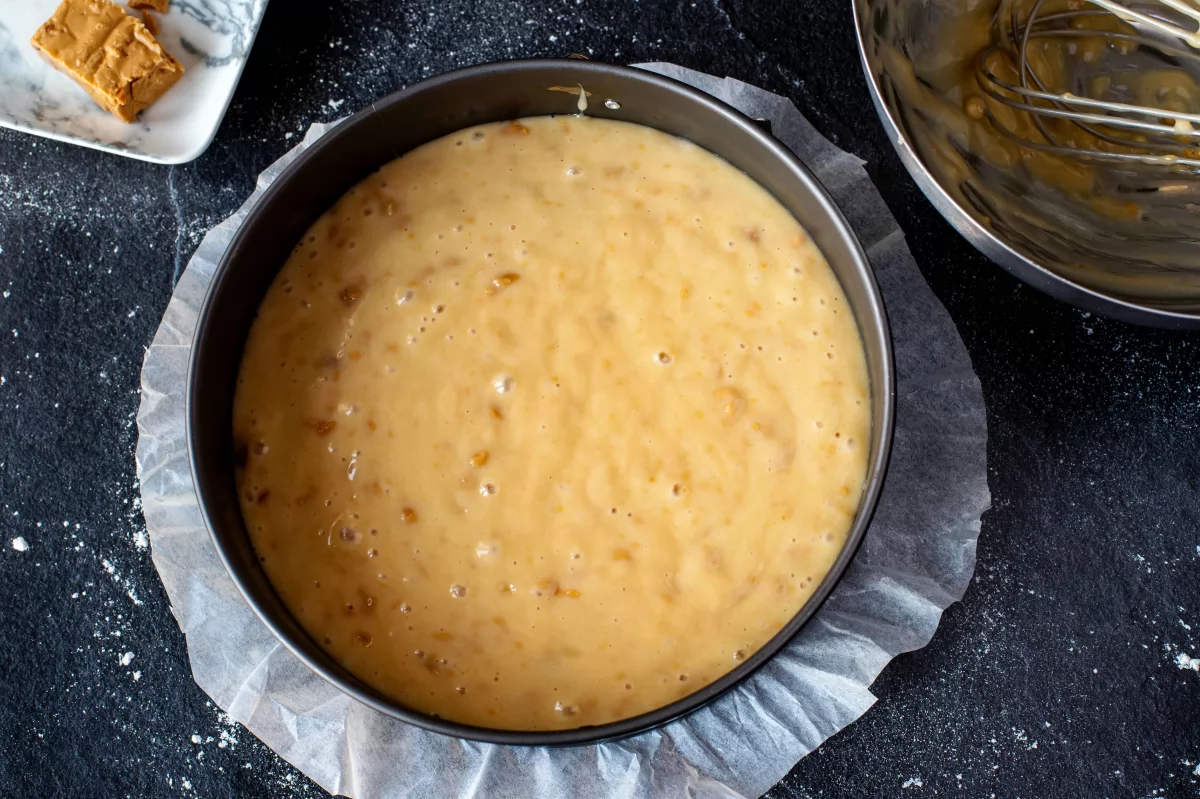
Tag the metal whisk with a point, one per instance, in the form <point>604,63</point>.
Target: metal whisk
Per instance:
<point>1166,30</point>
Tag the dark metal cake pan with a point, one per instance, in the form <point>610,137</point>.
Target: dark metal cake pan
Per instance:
<point>401,122</point>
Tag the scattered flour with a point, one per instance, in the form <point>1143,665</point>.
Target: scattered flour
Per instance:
<point>126,659</point>
<point>1185,661</point>
<point>226,738</point>
<point>1021,737</point>
<point>20,544</point>
<point>912,782</point>
<point>112,571</point>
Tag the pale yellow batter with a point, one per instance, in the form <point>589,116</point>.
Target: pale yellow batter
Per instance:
<point>549,423</point>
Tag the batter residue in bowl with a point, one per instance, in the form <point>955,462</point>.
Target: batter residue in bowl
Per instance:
<point>1124,230</point>
<point>550,423</point>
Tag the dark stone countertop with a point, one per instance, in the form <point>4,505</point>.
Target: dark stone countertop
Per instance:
<point>1057,676</point>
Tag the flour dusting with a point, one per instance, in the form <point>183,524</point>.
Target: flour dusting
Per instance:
<point>112,571</point>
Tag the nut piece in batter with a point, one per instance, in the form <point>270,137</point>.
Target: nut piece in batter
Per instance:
<point>158,5</point>
<point>109,53</point>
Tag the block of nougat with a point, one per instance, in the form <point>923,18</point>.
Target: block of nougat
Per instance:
<point>109,53</point>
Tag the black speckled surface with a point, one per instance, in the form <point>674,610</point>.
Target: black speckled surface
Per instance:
<point>1065,672</point>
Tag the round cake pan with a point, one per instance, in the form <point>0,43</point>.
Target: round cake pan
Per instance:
<point>399,123</point>
<point>900,28</point>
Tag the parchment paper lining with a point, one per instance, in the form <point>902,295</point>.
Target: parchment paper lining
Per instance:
<point>917,558</point>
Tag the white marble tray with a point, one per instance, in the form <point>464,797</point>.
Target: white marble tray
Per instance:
<point>211,38</point>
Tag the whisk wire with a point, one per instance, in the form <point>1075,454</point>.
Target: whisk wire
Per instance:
<point>1141,134</point>
<point>1070,100</point>
<point>1026,72</point>
<point>1130,14</point>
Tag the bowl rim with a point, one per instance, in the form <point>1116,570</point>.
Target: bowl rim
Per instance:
<point>882,426</point>
<point>1010,259</point>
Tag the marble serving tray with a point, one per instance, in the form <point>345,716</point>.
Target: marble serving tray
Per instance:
<point>211,38</point>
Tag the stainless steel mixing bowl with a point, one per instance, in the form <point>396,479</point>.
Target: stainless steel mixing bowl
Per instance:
<point>1139,271</point>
